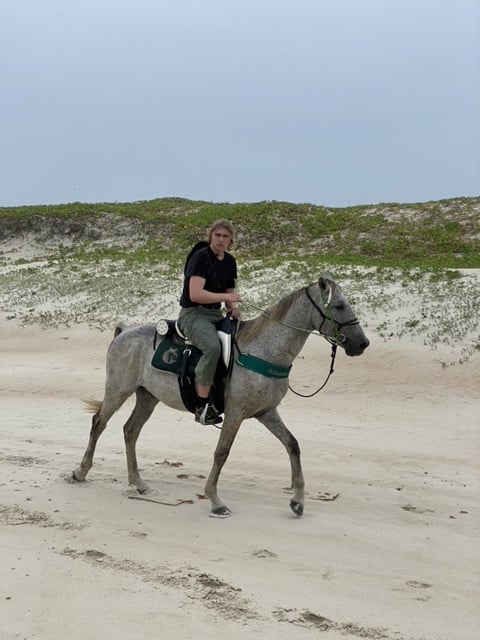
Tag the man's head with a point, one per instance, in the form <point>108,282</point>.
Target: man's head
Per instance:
<point>221,229</point>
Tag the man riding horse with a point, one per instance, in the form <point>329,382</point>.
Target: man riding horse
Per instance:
<point>210,276</point>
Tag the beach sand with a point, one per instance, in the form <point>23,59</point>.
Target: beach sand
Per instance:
<point>387,547</point>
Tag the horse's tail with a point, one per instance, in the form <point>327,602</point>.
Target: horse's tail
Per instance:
<point>91,405</point>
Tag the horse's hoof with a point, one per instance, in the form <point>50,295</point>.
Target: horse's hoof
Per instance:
<point>296,507</point>
<point>72,479</point>
<point>220,512</point>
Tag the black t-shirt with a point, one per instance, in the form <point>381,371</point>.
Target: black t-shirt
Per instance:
<point>219,275</point>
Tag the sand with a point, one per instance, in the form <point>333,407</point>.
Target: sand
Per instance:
<point>387,547</point>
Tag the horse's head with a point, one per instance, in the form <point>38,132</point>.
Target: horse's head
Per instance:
<point>336,319</point>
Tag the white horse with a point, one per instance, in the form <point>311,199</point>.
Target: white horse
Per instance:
<point>275,337</point>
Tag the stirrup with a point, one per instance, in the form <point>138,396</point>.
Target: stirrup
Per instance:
<point>207,415</point>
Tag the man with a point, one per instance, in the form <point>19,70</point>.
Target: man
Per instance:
<point>210,276</point>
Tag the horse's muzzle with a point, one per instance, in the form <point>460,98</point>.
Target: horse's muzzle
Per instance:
<point>354,347</point>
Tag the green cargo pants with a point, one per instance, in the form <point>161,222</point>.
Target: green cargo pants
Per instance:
<point>198,325</point>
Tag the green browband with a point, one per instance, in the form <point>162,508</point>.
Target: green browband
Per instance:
<point>262,367</point>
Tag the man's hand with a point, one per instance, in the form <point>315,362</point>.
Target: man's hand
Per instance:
<point>231,302</point>
<point>234,313</point>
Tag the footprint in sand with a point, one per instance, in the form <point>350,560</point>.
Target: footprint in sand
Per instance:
<point>418,585</point>
<point>264,553</point>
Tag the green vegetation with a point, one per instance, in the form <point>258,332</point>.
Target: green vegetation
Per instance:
<point>400,265</point>
<point>442,234</point>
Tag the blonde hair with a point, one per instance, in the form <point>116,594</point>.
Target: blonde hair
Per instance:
<point>225,224</point>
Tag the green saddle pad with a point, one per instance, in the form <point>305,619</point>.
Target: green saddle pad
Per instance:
<point>168,356</point>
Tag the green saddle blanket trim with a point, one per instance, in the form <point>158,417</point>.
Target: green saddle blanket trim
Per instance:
<point>262,367</point>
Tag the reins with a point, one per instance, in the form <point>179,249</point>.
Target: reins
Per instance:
<point>286,324</point>
<point>310,395</point>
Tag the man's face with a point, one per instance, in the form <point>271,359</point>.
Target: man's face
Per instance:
<point>221,239</point>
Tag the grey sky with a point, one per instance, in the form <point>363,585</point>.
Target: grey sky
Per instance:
<point>335,103</point>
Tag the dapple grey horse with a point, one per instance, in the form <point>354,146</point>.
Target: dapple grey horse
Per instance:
<point>275,336</point>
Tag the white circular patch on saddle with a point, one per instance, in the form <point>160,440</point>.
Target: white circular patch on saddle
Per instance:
<point>162,327</point>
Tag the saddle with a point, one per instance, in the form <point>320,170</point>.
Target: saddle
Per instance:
<point>175,354</point>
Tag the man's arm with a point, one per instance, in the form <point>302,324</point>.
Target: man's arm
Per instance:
<point>200,295</point>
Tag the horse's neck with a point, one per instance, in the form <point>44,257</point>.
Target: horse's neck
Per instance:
<point>282,340</point>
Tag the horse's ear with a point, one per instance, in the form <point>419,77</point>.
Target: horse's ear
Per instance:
<point>324,281</point>
<point>326,287</point>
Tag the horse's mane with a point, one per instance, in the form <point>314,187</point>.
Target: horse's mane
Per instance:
<point>251,328</point>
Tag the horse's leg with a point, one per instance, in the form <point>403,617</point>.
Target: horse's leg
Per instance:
<point>227,436</point>
<point>110,404</point>
<point>272,420</point>
<point>144,407</point>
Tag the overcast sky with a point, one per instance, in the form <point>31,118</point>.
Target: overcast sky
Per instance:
<point>336,103</point>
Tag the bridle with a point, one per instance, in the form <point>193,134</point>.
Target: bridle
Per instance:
<point>336,340</point>
<point>339,338</point>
